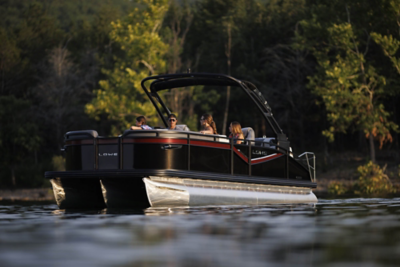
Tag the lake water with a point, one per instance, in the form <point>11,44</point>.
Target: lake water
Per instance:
<point>349,232</point>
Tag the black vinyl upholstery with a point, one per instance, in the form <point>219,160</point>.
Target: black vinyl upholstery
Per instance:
<point>83,134</point>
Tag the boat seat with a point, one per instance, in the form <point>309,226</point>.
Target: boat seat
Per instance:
<point>248,134</point>
<point>182,127</point>
<point>83,134</point>
<point>266,142</point>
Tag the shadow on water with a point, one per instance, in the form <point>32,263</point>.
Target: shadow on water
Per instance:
<point>339,232</point>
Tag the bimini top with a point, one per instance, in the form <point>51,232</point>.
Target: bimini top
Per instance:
<point>171,81</point>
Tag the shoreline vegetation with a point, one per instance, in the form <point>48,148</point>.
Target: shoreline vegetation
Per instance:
<point>28,194</point>
<point>350,174</point>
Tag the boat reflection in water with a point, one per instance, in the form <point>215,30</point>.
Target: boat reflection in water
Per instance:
<point>160,167</point>
<point>338,232</point>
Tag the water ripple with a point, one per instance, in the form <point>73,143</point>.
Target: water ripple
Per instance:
<point>341,232</point>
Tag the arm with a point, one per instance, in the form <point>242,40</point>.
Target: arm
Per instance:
<point>240,139</point>
<point>208,130</point>
<point>136,128</point>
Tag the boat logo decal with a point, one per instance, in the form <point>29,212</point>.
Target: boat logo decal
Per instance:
<point>259,152</point>
<point>260,159</point>
<point>105,154</point>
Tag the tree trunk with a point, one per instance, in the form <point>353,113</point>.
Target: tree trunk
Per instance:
<point>372,147</point>
<point>228,48</point>
<point>228,96</point>
<point>301,133</point>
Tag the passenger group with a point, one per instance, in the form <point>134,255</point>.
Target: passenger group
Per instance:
<point>207,126</point>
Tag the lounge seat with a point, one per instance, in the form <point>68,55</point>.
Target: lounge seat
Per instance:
<point>83,134</point>
<point>266,142</point>
<point>248,134</point>
<point>182,127</point>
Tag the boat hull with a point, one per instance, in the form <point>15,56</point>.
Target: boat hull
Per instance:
<point>78,193</point>
<point>108,172</point>
<point>124,193</point>
<point>144,188</point>
<point>166,192</point>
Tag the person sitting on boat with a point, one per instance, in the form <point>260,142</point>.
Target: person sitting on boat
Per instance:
<point>172,121</point>
<point>236,132</point>
<point>141,124</point>
<point>208,124</point>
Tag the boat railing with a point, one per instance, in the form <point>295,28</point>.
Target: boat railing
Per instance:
<point>193,136</point>
<point>110,151</point>
<point>310,162</point>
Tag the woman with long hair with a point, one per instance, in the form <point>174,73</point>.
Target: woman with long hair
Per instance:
<point>141,124</point>
<point>236,132</point>
<point>207,124</point>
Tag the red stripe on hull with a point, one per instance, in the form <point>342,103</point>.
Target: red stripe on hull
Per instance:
<point>107,141</point>
<point>209,144</point>
<point>202,144</point>
<point>154,141</point>
<point>266,158</point>
<point>79,142</point>
<point>240,154</point>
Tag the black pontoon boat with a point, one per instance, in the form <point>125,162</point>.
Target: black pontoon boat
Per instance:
<point>159,167</point>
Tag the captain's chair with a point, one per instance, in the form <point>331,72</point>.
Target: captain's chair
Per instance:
<point>248,134</point>
<point>83,134</point>
<point>182,127</point>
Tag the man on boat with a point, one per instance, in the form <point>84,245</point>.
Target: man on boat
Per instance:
<point>172,121</point>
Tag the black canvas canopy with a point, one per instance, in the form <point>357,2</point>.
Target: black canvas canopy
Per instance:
<point>171,81</point>
<point>178,82</point>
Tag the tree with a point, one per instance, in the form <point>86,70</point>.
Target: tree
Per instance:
<point>177,24</point>
<point>60,93</point>
<point>10,62</point>
<point>18,134</point>
<point>347,81</point>
<point>121,98</point>
<point>390,46</point>
<point>287,69</point>
<point>216,33</point>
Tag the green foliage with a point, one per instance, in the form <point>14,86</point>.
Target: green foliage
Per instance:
<point>337,188</point>
<point>9,52</point>
<point>17,130</point>
<point>398,174</point>
<point>348,84</point>
<point>390,46</point>
<point>373,181</point>
<point>18,136</point>
<point>58,162</point>
<point>348,49</point>
<point>121,97</point>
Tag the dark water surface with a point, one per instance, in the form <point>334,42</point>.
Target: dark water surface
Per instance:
<point>350,232</point>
